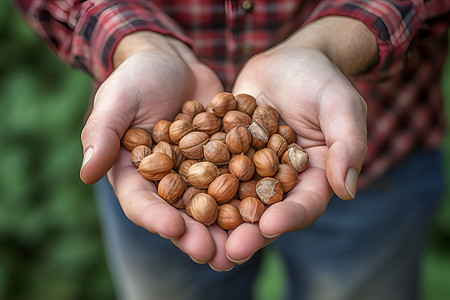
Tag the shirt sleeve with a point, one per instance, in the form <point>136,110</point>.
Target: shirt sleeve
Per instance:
<point>395,23</point>
<point>85,33</point>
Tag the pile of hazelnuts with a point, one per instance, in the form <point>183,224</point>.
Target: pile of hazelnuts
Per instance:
<point>224,163</point>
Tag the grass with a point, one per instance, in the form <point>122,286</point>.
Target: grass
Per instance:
<point>50,242</point>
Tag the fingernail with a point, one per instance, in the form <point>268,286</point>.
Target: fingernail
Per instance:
<point>351,182</point>
<point>238,262</point>
<point>269,236</point>
<point>217,270</point>
<point>87,156</point>
<point>196,261</point>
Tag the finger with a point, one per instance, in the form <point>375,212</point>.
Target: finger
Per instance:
<point>304,204</point>
<point>219,262</point>
<point>140,201</point>
<point>103,130</point>
<point>344,128</point>
<point>244,241</point>
<point>196,241</point>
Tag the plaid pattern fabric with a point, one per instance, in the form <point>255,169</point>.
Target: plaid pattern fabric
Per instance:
<point>403,91</point>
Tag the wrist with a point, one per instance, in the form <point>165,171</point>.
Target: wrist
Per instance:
<point>346,41</point>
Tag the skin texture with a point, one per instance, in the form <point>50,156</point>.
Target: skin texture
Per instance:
<point>156,74</point>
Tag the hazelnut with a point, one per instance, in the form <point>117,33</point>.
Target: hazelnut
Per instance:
<point>171,187</point>
<point>216,152</point>
<point>235,202</point>
<point>266,162</point>
<point>223,188</point>
<point>245,103</point>
<point>272,109</point>
<point>251,151</point>
<point>192,107</point>
<point>222,103</point>
<point>233,118</point>
<point>179,157</point>
<point>229,217</point>
<point>138,153</point>
<point>251,209</point>
<point>238,139</point>
<point>278,144</point>
<point>207,122</point>
<point>224,170</point>
<point>266,117</point>
<point>166,148</point>
<point>259,134</point>
<point>242,167</point>
<point>161,131</point>
<point>247,189</point>
<point>136,136</point>
<point>287,176</point>
<point>155,166</point>
<point>179,204</point>
<point>288,133</point>
<point>296,157</point>
<point>202,174</point>
<point>203,208</point>
<point>269,190</point>
<point>185,165</point>
<point>178,129</point>
<point>191,145</point>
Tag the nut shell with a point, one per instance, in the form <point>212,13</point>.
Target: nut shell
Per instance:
<point>251,209</point>
<point>247,189</point>
<point>260,135</point>
<point>234,118</point>
<point>229,217</point>
<point>202,174</point>
<point>204,209</point>
<point>238,139</point>
<point>245,103</point>
<point>278,144</point>
<point>207,122</point>
<point>296,157</point>
<point>171,187</point>
<point>155,166</point>
<point>267,117</point>
<point>288,133</point>
<point>178,129</point>
<point>287,176</point>
<point>266,162</point>
<point>269,190</point>
<point>192,107</point>
<point>242,167</point>
<point>223,188</point>
<point>136,136</point>
<point>216,152</point>
<point>191,145</point>
<point>222,103</point>
<point>161,131</point>
<point>138,153</point>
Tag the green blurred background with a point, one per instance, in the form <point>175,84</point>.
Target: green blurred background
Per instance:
<point>50,242</point>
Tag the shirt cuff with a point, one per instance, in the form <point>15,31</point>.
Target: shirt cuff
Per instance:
<point>394,25</point>
<point>102,25</point>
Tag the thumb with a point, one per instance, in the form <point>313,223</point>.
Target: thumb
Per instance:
<point>346,137</point>
<point>102,132</point>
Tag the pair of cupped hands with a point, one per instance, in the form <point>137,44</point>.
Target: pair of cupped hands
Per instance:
<point>151,82</point>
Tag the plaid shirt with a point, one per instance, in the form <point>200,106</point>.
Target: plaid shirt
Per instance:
<point>403,91</point>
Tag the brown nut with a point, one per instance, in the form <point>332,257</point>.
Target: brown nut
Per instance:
<point>138,153</point>
<point>288,133</point>
<point>233,118</point>
<point>296,157</point>
<point>266,116</point>
<point>266,162</point>
<point>161,131</point>
<point>178,129</point>
<point>207,122</point>
<point>269,190</point>
<point>184,117</point>
<point>245,103</point>
<point>202,174</point>
<point>203,208</point>
<point>166,148</point>
<point>259,133</point>
<point>242,167</point>
<point>216,152</point>
<point>247,189</point>
<point>155,166</point>
<point>191,145</point>
<point>222,103</point>
<point>229,217</point>
<point>278,144</point>
<point>185,165</point>
<point>251,209</point>
<point>223,188</point>
<point>287,176</point>
<point>218,136</point>
<point>192,107</point>
<point>189,193</point>
<point>136,136</point>
<point>171,187</point>
<point>238,139</point>
<point>179,157</point>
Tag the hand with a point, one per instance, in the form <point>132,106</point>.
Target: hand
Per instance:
<point>329,116</point>
<point>153,79</point>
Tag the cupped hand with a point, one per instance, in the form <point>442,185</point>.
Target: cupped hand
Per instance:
<point>150,85</point>
<point>329,117</point>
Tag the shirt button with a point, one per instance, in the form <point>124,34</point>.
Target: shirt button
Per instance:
<point>247,48</point>
<point>247,6</point>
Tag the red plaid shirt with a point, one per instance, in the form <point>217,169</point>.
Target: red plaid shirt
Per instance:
<point>403,92</point>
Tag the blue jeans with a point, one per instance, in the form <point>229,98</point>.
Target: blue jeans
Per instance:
<point>368,248</point>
